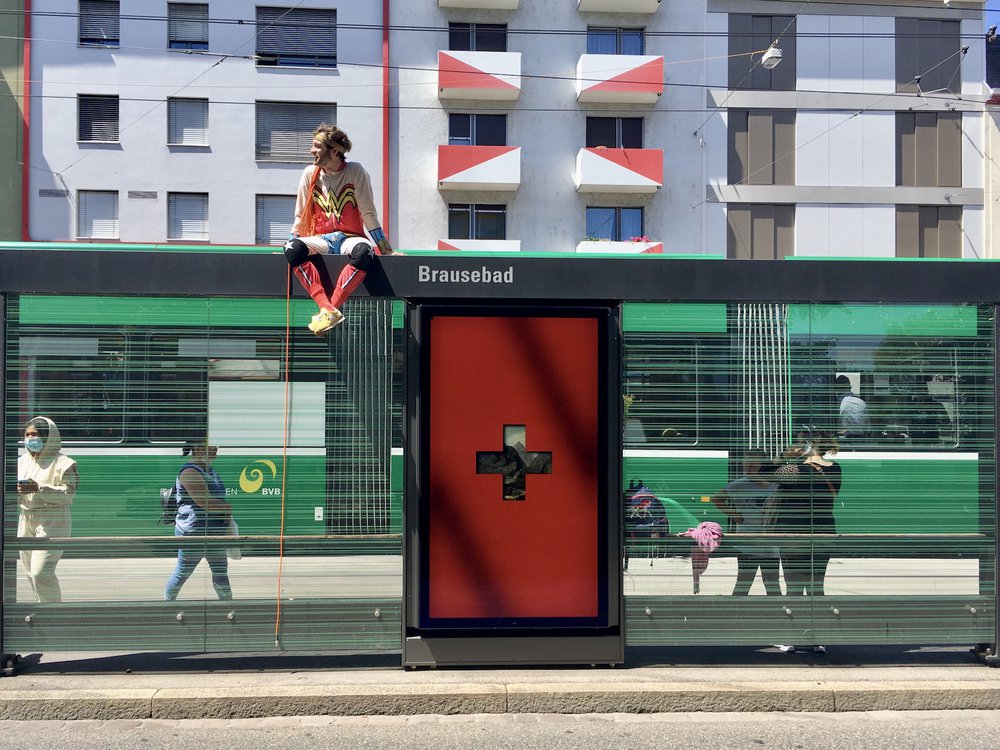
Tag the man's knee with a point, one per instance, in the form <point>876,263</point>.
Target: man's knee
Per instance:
<point>361,256</point>
<point>296,251</point>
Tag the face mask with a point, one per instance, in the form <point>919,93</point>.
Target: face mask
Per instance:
<point>34,444</point>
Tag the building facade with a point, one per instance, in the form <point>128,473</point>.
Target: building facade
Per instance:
<point>508,125</point>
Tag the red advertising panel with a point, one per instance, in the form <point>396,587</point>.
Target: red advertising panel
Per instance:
<point>513,479</point>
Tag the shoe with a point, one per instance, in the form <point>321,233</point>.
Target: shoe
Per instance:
<point>325,321</point>
<point>819,649</point>
<point>785,649</point>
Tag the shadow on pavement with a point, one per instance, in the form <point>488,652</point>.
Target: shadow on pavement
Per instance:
<point>635,657</point>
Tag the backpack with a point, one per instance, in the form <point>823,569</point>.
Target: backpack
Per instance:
<point>168,506</point>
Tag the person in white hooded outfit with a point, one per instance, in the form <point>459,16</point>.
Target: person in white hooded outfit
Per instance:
<point>46,485</point>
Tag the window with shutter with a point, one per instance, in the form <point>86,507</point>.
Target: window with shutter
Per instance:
<point>285,129</point>
<point>187,25</point>
<point>97,118</point>
<point>187,122</point>
<point>303,37</point>
<point>187,216</point>
<point>97,215</point>
<point>274,219</point>
<point>99,22</point>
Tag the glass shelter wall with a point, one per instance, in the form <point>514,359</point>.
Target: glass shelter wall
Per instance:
<point>891,539</point>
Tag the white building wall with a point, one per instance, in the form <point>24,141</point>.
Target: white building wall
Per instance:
<point>840,148</point>
<point>842,143</point>
<point>546,213</point>
<point>848,230</point>
<point>144,73</point>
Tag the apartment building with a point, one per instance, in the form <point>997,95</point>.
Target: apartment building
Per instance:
<point>518,125</point>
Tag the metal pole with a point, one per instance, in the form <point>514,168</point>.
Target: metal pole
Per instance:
<point>8,662</point>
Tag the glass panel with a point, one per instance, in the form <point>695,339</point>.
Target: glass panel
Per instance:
<point>632,42</point>
<point>490,222</point>
<point>491,130</point>
<point>602,131</point>
<point>459,130</point>
<point>460,222</point>
<point>460,37</point>
<point>602,41</point>
<point>632,225</point>
<point>602,223</point>
<point>631,132</point>
<point>491,37</point>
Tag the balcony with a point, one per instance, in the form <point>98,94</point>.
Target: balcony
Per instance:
<point>615,6</point>
<point>480,4</point>
<point>619,170</point>
<point>481,246</point>
<point>619,79</point>
<point>609,247</point>
<point>487,76</point>
<point>479,167</point>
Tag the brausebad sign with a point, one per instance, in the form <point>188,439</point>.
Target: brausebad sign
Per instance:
<point>481,275</point>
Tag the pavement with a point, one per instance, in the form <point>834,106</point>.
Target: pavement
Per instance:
<point>653,680</point>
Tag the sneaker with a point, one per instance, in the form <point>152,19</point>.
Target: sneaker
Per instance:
<point>819,649</point>
<point>785,649</point>
<point>325,321</point>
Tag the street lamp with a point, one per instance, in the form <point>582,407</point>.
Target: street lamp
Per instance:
<point>771,58</point>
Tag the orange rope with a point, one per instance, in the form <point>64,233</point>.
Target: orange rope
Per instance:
<point>284,456</point>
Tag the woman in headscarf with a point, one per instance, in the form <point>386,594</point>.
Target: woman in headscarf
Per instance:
<point>46,485</point>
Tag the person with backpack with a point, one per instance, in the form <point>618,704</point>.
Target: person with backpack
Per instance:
<point>201,510</point>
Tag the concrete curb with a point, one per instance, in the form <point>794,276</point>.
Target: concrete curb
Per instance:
<point>490,698</point>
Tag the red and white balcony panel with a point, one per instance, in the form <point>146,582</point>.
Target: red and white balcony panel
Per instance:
<point>479,167</point>
<point>481,246</point>
<point>619,79</point>
<point>619,170</point>
<point>480,4</point>
<point>614,6</point>
<point>610,247</point>
<point>486,76</point>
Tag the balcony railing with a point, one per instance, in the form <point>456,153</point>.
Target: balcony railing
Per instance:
<point>481,246</point>
<point>619,170</point>
<point>619,79</point>
<point>482,4</point>
<point>479,75</point>
<point>614,6</point>
<point>611,247</point>
<point>479,167</point>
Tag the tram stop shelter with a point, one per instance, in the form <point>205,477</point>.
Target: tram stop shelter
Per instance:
<point>452,473</point>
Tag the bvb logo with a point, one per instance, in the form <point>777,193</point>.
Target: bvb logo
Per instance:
<point>252,477</point>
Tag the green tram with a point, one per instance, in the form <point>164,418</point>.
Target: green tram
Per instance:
<point>136,377</point>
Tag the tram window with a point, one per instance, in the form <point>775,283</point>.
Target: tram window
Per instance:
<point>180,367</point>
<point>884,393</point>
<point>78,382</point>
<point>662,391</point>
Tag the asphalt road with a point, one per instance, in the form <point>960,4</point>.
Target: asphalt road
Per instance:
<point>887,730</point>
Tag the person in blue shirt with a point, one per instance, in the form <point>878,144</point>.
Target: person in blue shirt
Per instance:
<point>202,510</point>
